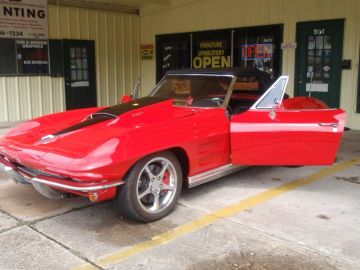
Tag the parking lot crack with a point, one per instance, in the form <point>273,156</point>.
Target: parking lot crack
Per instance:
<point>63,213</point>
<point>72,251</point>
<point>8,229</point>
<point>297,244</point>
<point>10,215</point>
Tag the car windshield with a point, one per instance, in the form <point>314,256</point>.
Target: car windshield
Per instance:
<point>194,90</point>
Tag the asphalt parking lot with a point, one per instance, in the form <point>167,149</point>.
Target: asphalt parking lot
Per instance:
<point>259,218</point>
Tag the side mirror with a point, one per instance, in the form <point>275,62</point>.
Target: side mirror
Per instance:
<point>126,98</point>
<point>272,113</point>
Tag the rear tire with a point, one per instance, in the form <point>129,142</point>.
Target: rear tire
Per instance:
<point>151,189</point>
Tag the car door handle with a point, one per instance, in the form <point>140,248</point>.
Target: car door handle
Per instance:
<point>329,124</point>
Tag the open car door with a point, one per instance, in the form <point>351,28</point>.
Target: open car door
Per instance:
<point>269,134</point>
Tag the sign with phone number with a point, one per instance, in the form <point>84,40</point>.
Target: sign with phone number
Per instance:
<point>27,19</point>
<point>11,33</point>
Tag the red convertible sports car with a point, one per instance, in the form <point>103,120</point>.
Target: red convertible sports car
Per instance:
<point>194,127</point>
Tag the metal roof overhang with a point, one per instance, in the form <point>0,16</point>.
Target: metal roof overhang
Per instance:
<point>124,6</point>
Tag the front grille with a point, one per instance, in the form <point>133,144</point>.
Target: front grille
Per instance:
<point>34,172</point>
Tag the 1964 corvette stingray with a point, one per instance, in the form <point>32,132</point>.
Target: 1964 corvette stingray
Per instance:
<point>195,126</point>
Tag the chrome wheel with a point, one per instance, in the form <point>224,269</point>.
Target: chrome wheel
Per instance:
<point>156,185</point>
<point>152,187</point>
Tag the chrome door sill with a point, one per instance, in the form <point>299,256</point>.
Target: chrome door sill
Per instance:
<point>213,174</point>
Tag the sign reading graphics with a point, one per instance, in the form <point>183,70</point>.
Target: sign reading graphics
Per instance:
<point>32,56</point>
<point>25,19</point>
<point>212,54</point>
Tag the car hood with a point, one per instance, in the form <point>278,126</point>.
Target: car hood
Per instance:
<point>74,135</point>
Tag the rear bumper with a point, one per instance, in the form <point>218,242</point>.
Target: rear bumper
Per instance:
<point>23,175</point>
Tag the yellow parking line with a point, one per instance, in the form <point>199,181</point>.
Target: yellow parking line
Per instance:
<point>171,235</point>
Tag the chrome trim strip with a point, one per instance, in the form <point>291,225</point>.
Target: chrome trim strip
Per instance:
<point>83,189</point>
<point>37,179</point>
<point>213,174</point>
<point>328,124</point>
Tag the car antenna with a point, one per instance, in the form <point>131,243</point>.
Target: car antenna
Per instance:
<point>135,91</point>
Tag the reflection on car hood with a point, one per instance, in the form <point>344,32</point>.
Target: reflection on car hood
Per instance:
<point>132,105</point>
<point>113,112</point>
<point>74,138</point>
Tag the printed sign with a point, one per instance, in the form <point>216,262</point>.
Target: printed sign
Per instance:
<point>317,87</point>
<point>25,19</point>
<point>212,54</point>
<point>32,56</point>
<point>147,51</point>
<point>290,45</point>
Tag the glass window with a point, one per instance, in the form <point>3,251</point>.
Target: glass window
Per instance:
<point>194,91</point>
<point>79,64</point>
<point>274,95</point>
<point>211,49</point>
<point>259,47</point>
<point>172,52</point>
<point>7,57</point>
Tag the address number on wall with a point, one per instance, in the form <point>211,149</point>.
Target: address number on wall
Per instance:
<point>319,31</point>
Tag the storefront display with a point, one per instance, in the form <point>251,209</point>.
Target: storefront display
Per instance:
<point>211,49</point>
<point>172,52</point>
<point>258,47</point>
<point>32,56</point>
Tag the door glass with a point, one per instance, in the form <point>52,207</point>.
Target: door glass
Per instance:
<point>319,57</point>
<point>79,65</point>
<point>274,95</point>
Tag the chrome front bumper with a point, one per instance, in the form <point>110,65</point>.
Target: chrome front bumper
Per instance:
<point>22,176</point>
<point>6,165</point>
<point>76,186</point>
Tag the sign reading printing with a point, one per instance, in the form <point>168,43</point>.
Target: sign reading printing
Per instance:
<point>25,19</point>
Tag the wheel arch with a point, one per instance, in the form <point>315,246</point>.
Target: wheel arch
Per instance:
<point>127,199</point>
<point>178,152</point>
<point>183,159</point>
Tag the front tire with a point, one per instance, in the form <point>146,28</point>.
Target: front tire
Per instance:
<point>151,189</point>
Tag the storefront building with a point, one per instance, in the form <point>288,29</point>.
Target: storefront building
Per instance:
<point>316,43</point>
<point>93,59</point>
<point>95,56</point>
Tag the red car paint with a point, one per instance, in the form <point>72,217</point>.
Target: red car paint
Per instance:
<point>302,132</point>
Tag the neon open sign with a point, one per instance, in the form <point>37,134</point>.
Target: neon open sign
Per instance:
<point>256,51</point>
